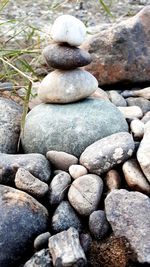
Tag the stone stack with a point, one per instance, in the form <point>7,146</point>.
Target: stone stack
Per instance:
<point>69,120</point>
<point>68,83</point>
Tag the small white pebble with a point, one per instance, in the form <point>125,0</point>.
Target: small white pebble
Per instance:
<point>77,170</point>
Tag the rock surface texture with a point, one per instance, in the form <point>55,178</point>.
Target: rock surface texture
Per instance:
<point>120,53</point>
<point>129,216</point>
<point>40,259</point>
<point>66,250</point>
<point>10,119</point>
<point>23,219</point>
<point>104,154</point>
<point>70,130</point>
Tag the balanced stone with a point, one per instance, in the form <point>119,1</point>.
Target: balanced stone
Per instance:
<point>67,86</point>
<point>22,219</point>
<point>65,57</point>
<point>68,29</point>
<point>68,128</point>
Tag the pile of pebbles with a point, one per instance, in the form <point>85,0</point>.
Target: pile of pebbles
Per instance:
<point>68,83</point>
<point>56,206</point>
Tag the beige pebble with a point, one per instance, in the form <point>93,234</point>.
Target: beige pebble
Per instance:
<point>112,180</point>
<point>100,94</point>
<point>137,128</point>
<point>61,160</point>
<point>77,170</point>
<point>131,112</point>
<point>134,176</point>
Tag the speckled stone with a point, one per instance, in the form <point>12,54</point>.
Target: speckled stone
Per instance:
<point>106,153</point>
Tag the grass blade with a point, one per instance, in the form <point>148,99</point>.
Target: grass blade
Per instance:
<point>106,8</point>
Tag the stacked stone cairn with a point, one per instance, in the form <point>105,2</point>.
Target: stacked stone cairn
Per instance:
<point>68,83</point>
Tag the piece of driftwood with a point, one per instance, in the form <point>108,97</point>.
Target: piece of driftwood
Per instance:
<point>66,250</point>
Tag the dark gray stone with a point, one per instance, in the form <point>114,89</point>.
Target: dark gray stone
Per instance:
<point>58,187</point>
<point>41,241</point>
<point>85,241</point>
<point>41,258</point>
<point>22,219</point>
<point>65,217</point>
<point>98,224</point>
<point>71,127</point>
<point>129,216</point>
<point>65,57</point>
<point>141,102</point>
<point>36,164</point>
<point>108,152</point>
<point>117,99</point>
<point>10,119</point>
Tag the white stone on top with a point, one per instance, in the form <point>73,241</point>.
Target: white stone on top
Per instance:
<point>68,29</point>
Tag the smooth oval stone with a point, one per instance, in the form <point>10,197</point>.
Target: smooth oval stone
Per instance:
<point>41,241</point>
<point>85,193</point>
<point>67,86</point>
<point>22,219</point>
<point>72,127</point>
<point>68,29</point>
<point>10,119</point>
<point>61,160</point>
<point>134,177</point>
<point>65,57</point>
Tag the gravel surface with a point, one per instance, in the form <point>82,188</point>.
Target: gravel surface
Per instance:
<point>40,15</point>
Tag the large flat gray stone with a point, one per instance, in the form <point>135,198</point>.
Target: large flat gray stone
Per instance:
<point>71,127</point>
